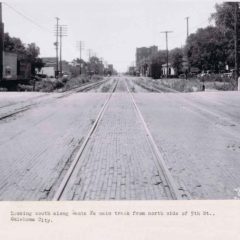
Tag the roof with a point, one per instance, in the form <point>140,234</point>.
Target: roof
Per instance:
<point>165,65</point>
<point>49,60</point>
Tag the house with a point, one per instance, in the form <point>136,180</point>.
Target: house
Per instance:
<point>49,68</point>
<point>49,61</point>
<point>48,71</point>
<point>171,71</point>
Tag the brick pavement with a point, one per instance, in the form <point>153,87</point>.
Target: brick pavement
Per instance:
<point>117,162</point>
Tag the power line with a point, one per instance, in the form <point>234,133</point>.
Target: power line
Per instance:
<point>26,17</point>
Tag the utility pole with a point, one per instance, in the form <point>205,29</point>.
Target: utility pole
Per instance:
<point>62,33</point>
<point>80,47</point>
<point>166,33</point>
<point>57,44</point>
<point>89,59</point>
<point>236,39</point>
<point>1,43</point>
<point>188,66</point>
<point>187,19</point>
<point>89,54</point>
<point>60,53</point>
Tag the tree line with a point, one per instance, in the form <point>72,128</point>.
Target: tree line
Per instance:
<point>25,52</point>
<point>30,53</point>
<point>209,48</point>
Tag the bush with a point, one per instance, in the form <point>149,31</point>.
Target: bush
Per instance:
<point>2,89</point>
<point>24,88</point>
<point>48,85</point>
<point>182,85</point>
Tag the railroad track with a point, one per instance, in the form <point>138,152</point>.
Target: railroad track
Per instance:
<point>59,192</point>
<point>203,112</point>
<point>24,105</point>
<point>83,88</point>
<point>170,188</point>
<point>155,88</point>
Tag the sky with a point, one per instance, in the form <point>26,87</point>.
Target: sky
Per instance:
<point>112,29</point>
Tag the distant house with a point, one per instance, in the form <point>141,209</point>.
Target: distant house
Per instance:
<point>48,71</point>
<point>49,61</point>
<point>168,67</point>
<point>49,68</point>
<point>78,66</point>
<point>65,66</point>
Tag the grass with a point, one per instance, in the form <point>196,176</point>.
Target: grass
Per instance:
<point>80,80</point>
<point>106,87</point>
<point>48,85</point>
<point>52,84</point>
<point>193,85</point>
<point>181,85</point>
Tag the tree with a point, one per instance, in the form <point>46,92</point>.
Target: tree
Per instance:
<point>224,21</point>
<point>156,63</point>
<point>207,49</point>
<point>176,58</point>
<point>28,53</point>
<point>95,65</point>
<point>38,64</point>
<point>12,44</point>
<point>32,53</point>
<point>224,16</point>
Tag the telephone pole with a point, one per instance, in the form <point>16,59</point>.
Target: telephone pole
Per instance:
<point>187,61</point>
<point>187,19</point>
<point>89,54</point>
<point>62,33</point>
<point>57,44</point>
<point>166,34</point>
<point>80,46</point>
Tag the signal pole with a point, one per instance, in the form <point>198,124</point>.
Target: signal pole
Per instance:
<point>166,33</point>
<point>1,43</point>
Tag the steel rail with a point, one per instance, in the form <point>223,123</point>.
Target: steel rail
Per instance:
<point>83,88</point>
<point>58,194</point>
<point>197,108</point>
<point>173,189</point>
<point>45,97</point>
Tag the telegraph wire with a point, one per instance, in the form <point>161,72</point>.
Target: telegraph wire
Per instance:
<point>26,17</point>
